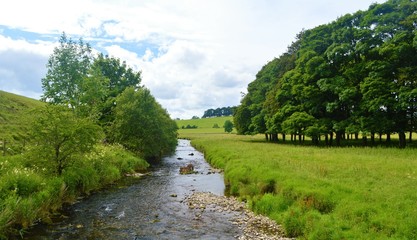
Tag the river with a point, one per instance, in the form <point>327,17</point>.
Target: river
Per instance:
<point>150,207</point>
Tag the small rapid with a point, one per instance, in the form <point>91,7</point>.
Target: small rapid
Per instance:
<point>150,207</point>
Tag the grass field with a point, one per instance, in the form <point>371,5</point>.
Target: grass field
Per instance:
<point>319,193</point>
<point>204,125</point>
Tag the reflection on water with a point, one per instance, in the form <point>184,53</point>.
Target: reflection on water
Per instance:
<point>148,208</point>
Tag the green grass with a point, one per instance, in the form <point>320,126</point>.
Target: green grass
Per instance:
<point>204,125</point>
<point>14,116</point>
<point>320,193</point>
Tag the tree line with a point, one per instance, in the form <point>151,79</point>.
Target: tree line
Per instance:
<point>354,76</point>
<point>219,112</point>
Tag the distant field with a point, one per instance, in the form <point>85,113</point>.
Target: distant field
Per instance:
<point>320,193</point>
<point>204,125</point>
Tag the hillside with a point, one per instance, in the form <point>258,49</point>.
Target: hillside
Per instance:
<point>13,114</point>
<point>203,124</point>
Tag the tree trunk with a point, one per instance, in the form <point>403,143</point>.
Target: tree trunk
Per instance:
<point>410,137</point>
<point>283,137</point>
<point>331,139</point>
<point>326,139</point>
<point>403,141</point>
<point>372,139</point>
<point>338,138</point>
<point>388,138</point>
<point>274,137</point>
<point>364,141</point>
<point>266,137</point>
<point>356,136</point>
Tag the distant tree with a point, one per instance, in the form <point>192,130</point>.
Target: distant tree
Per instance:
<point>61,137</point>
<point>228,126</point>
<point>195,117</point>
<point>216,125</point>
<point>219,112</point>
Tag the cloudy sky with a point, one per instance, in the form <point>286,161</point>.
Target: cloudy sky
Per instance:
<point>193,54</point>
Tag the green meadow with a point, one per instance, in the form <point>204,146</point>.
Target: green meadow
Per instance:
<point>319,193</point>
<point>204,125</point>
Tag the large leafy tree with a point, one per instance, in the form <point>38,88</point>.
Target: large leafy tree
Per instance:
<point>142,125</point>
<point>67,67</point>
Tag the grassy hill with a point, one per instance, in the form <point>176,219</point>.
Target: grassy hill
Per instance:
<point>14,112</point>
<point>204,125</point>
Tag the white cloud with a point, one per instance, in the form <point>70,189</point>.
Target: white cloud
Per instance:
<point>206,51</point>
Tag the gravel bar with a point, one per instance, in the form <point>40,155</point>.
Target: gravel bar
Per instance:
<point>253,226</point>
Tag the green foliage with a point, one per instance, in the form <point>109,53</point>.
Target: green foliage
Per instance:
<point>218,112</point>
<point>228,126</point>
<point>118,78</point>
<point>142,125</point>
<point>61,137</point>
<point>345,74</point>
<point>67,67</point>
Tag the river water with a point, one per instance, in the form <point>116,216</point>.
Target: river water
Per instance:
<point>150,207</point>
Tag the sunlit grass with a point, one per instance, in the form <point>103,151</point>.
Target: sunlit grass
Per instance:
<point>325,193</point>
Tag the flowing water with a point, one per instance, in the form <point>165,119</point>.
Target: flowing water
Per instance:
<point>150,207</point>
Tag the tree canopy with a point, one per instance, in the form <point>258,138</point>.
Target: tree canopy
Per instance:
<point>355,75</point>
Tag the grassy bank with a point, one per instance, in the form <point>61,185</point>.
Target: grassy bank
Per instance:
<point>30,193</point>
<point>320,193</point>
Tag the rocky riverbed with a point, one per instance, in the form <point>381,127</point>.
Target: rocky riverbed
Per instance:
<point>253,226</point>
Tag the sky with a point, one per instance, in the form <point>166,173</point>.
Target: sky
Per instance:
<point>193,54</point>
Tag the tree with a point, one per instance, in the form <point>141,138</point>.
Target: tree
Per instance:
<point>142,125</point>
<point>228,126</point>
<point>298,123</point>
<point>67,67</point>
<point>93,94</point>
<point>119,77</point>
<point>61,137</point>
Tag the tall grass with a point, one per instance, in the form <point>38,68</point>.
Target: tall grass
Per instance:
<point>320,193</point>
<point>30,193</point>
